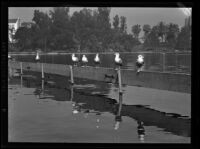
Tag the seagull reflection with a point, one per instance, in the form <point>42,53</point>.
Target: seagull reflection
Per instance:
<point>118,117</point>
<point>39,92</point>
<point>98,119</point>
<point>75,106</point>
<point>141,131</point>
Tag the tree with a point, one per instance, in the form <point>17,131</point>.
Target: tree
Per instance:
<point>42,27</point>
<point>172,33</point>
<point>23,36</point>
<point>146,30</point>
<point>152,39</point>
<point>84,30</point>
<point>123,25</point>
<point>184,38</point>
<point>116,22</point>
<point>61,29</point>
<point>136,30</point>
<point>162,30</point>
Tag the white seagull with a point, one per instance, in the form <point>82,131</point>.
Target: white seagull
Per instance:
<point>97,59</point>
<point>9,57</point>
<point>74,59</point>
<point>118,60</point>
<point>140,63</point>
<point>84,59</point>
<point>37,58</point>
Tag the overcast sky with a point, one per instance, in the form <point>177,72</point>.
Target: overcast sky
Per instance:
<point>134,15</point>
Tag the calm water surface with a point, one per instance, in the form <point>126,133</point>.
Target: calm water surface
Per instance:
<point>92,112</point>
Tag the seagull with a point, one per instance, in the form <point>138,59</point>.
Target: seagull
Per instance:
<point>84,59</point>
<point>140,63</point>
<point>118,60</point>
<point>9,57</point>
<point>37,58</point>
<point>97,59</point>
<point>74,59</point>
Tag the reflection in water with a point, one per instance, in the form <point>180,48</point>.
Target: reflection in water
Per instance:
<point>87,103</point>
<point>141,131</point>
<point>118,117</point>
<point>75,106</point>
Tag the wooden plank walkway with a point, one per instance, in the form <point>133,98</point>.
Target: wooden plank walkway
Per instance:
<point>159,80</point>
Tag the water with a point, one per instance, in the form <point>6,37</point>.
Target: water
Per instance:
<point>171,62</point>
<point>93,112</point>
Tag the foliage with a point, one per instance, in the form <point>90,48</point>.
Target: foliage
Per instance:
<point>136,30</point>
<point>184,38</point>
<point>90,31</point>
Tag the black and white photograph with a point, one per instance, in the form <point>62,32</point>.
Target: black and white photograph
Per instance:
<point>99,74</point>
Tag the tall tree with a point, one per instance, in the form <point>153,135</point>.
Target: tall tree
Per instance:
<point>184,38</point>
<point>136,30</point>
<point>162,30</point>
<point>172,34</point>
<point>42,22</point>
<point>146,30</point>
<point>123,25</point>
<point>61,29</point>
<point>152,39</point>
<point>103,25</point>
<point>116,22</point>
<point>23,37</point>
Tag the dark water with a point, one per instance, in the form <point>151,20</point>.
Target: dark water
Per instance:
<point>59,112</point>
<point>173,62</point>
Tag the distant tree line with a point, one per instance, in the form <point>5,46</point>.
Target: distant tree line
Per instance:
<point>92,30</point>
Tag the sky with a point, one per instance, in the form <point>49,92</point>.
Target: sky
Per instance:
<point>134,15</point>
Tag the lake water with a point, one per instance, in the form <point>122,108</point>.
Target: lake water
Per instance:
<point>173,62</point>
<point>94,112</point>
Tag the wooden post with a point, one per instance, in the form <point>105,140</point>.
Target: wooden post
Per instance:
<point>71,74</point>
<point>42,72</point>
<point>176,62</point>
<point>42,85</point>
<point>21,68</point>
<point>163,62</point>
<point>120,104</point>
<point>119,80</point>
<point>72,93</point>
<point>22,81</point>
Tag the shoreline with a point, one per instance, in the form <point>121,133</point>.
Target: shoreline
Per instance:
<point>69,53</point>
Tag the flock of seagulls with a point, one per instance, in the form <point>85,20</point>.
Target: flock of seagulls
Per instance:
<point>118,60</point>
<point>97,61</point>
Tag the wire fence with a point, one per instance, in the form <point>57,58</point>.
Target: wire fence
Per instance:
<point>179,62</point>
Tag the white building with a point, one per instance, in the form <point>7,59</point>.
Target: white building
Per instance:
<point>13,25</point>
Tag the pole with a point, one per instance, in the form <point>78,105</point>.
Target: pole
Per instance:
<point>163,62</point>
<point>176,62</point>
<point>71,74</point>
<point>42,72</point>
<point>22,81</point>
<point>21,68</point>
<point>119,80</point>
<point>120,104</point>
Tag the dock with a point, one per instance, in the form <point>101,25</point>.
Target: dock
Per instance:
<point>177,82</point>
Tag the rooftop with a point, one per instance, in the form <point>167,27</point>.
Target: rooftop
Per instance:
<point>12,20</point>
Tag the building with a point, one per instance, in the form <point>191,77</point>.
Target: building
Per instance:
<point>13,25</point>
